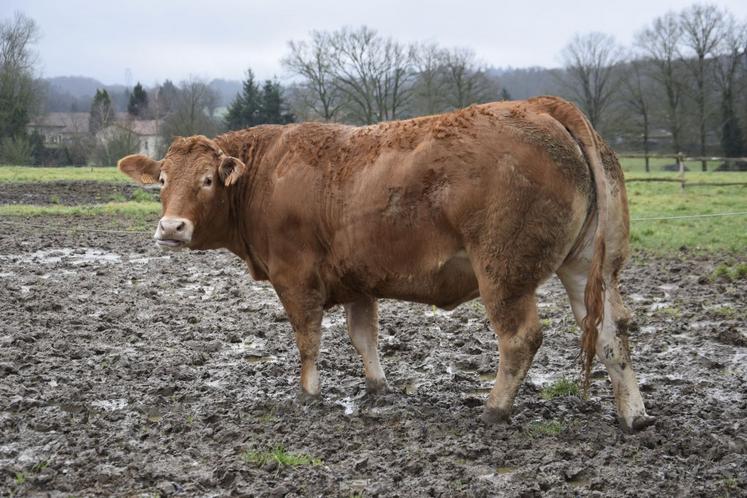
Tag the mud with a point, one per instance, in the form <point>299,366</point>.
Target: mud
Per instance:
<point>71,193</point>
<point>125,371</point>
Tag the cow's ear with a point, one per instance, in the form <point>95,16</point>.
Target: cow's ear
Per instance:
<point>140,168</point>
<point>230,170</point>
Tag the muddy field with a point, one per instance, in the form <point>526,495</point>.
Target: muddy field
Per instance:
<point>128,371</point>
<point>71,193</point>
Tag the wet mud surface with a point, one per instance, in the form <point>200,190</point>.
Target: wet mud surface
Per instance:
<point>126,371</point>
<point>71,193</point>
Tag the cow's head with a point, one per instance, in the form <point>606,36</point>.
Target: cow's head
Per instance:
<point>196,179</point>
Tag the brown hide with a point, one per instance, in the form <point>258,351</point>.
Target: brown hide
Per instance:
<point>420,210</point>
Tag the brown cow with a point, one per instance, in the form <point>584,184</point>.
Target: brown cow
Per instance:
<point>488,201</point>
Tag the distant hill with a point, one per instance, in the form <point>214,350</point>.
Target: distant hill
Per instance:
<point>75,93</point>
<point>522,83</point>
<point>226,90</point>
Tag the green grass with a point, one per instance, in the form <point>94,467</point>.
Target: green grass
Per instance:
<point>27,174</point>
<point>726,272</point>
<point>137,216</point>
<point>654,199</point>
<point>112,208</point>
<point>542,428</point>
<point>281,456</point>
<point>559,388</point>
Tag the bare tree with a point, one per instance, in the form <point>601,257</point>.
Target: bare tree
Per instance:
<point>192,112</point>
<point>660,42</point>
<point>20,95</point>
<point>590,62</point>
<point>428,64</point>
<point>372,73</point>
<point>731,55</point>
<point>465,82</point>
<point>312,61</point>
<point>637,96</point>
<point>703,31</point>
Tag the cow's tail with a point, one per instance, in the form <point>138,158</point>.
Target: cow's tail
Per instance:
<point>580,129</point>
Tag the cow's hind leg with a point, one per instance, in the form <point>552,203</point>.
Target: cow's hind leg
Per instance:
<point>363,328</point>
<point>519,335</point>
<point>612,343</point>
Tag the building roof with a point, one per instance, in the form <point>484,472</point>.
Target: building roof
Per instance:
<point>64,122</point>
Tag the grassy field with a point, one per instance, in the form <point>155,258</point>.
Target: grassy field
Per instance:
<point>647,200</point>
<point>653,200</point>
<point>26,174</point>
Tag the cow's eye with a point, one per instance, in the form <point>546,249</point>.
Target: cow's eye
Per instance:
<point>207,182</point>
<point>162,181</point>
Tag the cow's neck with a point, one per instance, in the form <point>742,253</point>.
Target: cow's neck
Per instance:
<point>244,237</point>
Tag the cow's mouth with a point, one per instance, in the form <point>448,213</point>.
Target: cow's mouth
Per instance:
<point>171,243</point>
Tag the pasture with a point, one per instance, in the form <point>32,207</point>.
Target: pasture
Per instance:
<point>128,371</point>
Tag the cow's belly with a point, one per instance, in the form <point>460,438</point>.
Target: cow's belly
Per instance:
<point>446,284</point>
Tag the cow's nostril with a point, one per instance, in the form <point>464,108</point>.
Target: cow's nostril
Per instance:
<point>180,227</point>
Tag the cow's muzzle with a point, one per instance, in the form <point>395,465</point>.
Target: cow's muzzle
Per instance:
<point>173,233</point>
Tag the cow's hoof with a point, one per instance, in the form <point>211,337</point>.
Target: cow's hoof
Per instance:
<point>639,423</point>
<point>375,387</point>
<point>492,416</point>
<point>306,398</point>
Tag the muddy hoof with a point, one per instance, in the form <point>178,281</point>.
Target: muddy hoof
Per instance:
<point>376,387</point>
<point>306,398</point>
<point>639,423</point>
<point>492,416</point>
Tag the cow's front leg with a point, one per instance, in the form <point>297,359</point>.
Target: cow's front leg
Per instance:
<point>363,327</point>
<point>305,310</point>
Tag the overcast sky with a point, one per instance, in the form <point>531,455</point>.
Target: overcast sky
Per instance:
<point>160,39</point>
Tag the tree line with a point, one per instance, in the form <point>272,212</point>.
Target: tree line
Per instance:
<point>680,87</point>
<point>686,74</point>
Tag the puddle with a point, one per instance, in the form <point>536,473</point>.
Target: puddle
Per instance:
<point>411,388</point>
<point>332,321</point>
<point>110,405</point>
<point>660,305</point>
<point>72,256</point>
<point>348,405</point>
<point>487,377</point>
<point>256,358</point>
<point>479,392</point>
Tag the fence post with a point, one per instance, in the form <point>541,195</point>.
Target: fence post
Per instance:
<point>681,168</point>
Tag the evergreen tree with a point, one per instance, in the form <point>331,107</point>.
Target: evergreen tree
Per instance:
<point>138,103</point>
<point>732,144</point>
<point>505,95</point>
<point>167,95</point>
<point>245,110</point>
<point>102,113</point>
<point>273,107</point>
<point>255,105</point>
